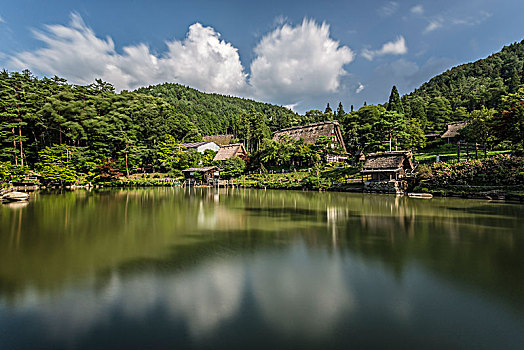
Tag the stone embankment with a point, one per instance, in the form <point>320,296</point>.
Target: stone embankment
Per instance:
<point>392,186</point>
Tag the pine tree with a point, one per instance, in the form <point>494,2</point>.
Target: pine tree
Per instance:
<point>328,110</point>
<point>395,104</point>
<point>340,114</point>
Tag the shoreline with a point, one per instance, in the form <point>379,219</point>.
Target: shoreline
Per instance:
<point>488,194</point>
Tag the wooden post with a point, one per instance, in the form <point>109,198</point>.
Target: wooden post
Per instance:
<point>476,150</point>
<point>458,152</point>
<point>467,151</point>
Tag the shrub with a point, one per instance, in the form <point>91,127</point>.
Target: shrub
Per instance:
<point>498,170</point>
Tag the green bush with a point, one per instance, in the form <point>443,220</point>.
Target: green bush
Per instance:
<point>498,170</point>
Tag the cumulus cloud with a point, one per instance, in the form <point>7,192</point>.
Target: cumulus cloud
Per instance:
<point>397,47</point>
<point>417,10</point>
<point>292,62</point>
<point>201,60</point>
<point>295,62</point>
<point>388,9</point>
<point>359,88</point>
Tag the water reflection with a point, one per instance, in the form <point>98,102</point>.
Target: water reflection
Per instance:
<point>218,268</point>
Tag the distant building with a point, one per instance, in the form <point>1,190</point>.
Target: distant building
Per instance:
<point>312,132</point>
<point>386,166</point>
<point>452,134</point>
<point>231,151</point>
<point>220,140</point>
<point>205,174</point>
<point>432,137</point>
<point>201,146</point>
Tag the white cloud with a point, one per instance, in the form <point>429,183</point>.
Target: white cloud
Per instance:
<point>388,9</point>
<point>74,52</point>
<point>417,10</point>
<point>296,62</point>
<point>441,21</point>
<point>397,47</point>
<point>2,19</point>
<point>433,25</point>
<point>292,63</point>
<point>291,106</point>
<point>359,88</point>
<point>471,20</point>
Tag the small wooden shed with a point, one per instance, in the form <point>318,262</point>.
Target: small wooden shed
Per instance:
<point>207,173</point>
<point>386,166</point>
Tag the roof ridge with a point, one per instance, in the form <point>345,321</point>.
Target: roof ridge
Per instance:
<point>309,125</point>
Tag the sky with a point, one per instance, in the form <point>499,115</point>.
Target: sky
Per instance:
<point>299,54</point>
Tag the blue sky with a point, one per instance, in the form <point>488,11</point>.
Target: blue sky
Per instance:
<point>295,53</point>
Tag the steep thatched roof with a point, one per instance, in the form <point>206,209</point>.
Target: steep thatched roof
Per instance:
<point>453,129</point>
<point>388,161</point>
<point>310,133</point>
<point>230,151</point>
<point>203,169</point>
<point>220,140</point>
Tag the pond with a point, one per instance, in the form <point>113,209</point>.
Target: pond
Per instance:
<point>235,268</point>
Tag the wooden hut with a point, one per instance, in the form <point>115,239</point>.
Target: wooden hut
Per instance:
<point>386,166</point>
<point>452,134</point>
<point>206,173</point>
<point>220,140</point>
<point>231,151</point>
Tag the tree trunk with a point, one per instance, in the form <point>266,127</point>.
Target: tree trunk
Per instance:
<point>20,139</point>
<point>127,169</point>
<point>14,145</point>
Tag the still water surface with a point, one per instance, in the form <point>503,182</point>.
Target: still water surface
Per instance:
<point>207,268</point>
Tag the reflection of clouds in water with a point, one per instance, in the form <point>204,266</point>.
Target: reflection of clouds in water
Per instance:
<point>297,292</point>
<point>296,299</point>
<point>204,297</point>
<point>207,296</point>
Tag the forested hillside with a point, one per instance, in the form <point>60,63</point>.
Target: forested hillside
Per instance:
<point>219,114</point>
<point>488,94</point>
<point>480,83</point>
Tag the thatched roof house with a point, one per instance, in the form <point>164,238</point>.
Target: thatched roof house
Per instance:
<point>220,140</point>
<point>453,130</point>
<point>231,151</point>
<point>310,133</point>
<point>386,166</point>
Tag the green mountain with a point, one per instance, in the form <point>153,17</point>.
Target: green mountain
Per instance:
<point>480,83</point>
<point>218,114</point>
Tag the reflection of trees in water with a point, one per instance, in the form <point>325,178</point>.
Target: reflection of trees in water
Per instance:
<point>77,236</point>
